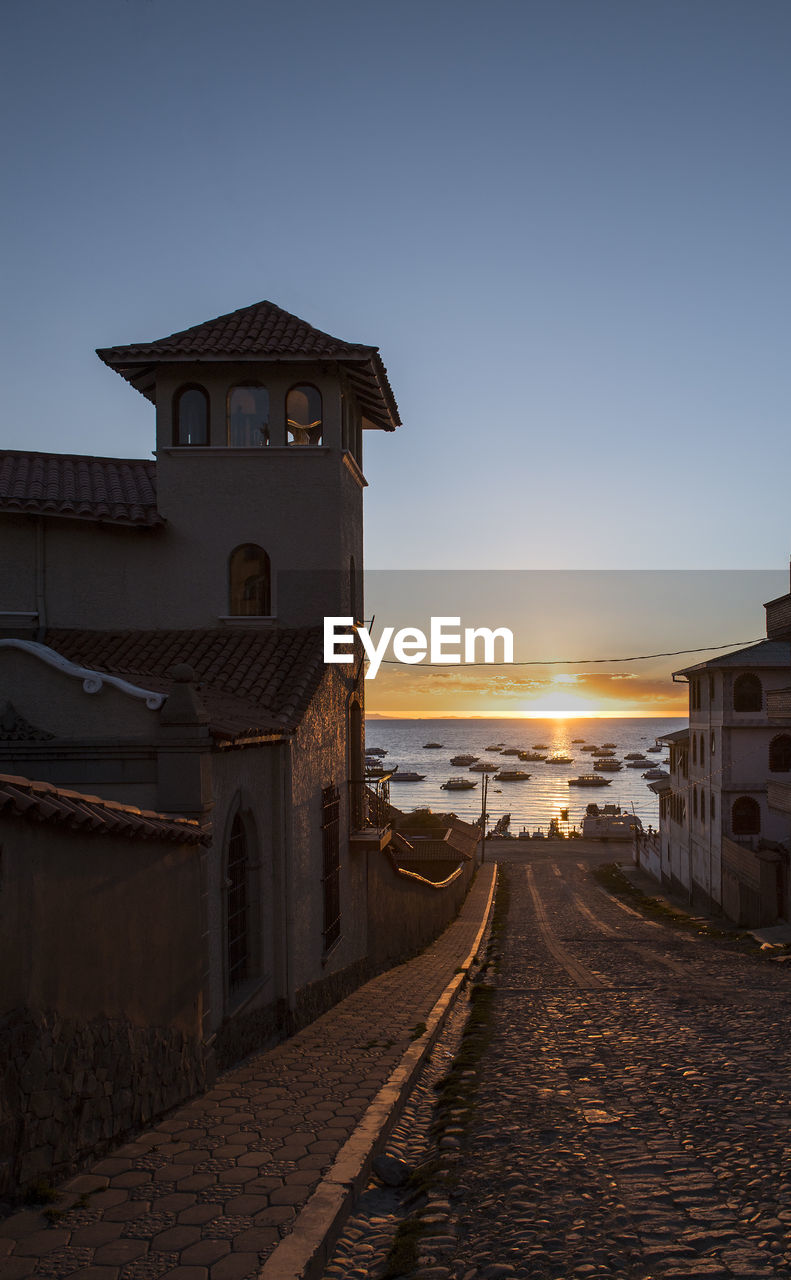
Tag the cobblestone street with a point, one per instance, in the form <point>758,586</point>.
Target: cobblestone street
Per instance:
<point>632,1115</point>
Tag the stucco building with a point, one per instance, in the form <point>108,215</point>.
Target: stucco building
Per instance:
<point>725,813</point>
<point>198,813</point>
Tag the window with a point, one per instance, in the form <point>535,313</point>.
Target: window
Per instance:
<point>248,417</point>
<point>330,836</point>
<point>702,752</point>
<point>237,908</point>
<point>304,415</point>
<point>747,693</point>
<point>703,806</point>
<point>713,807</point>
<point>694,749</point>
<point>746,817</point>
<point>712,744</point>
<point>780,754</point>
<point>249,582</point>
<point>191,416</point>
<point>694,802</point>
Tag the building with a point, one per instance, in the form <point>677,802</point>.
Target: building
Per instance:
<point>725,829</point>
<point>162,682</point>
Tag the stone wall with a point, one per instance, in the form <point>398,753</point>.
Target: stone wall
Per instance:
<point>71,1090</point>
<point>405,912</point>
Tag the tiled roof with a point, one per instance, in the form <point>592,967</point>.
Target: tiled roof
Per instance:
<point>766,653</point>
<point>41,802</point>
<point>261,332</point>
<point>109,490</point>
<point>250,682</point>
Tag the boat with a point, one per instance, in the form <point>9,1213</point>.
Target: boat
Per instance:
<point>577,740</point>
<point>612,766</point>
<point>653,775</point>
<point>459,784</point>
<point>510,751</point>
<point>511,775</point>
<point>611,826</point>
<point>590,780</point>
<point>634,755</point>
<point>531,755</point>
<point>408,775</point>
<point>637,764</point>
<point>457,760</point>
<point>656,747</point>
<point>559,760</point>
<point>483,767</point>
<point>540,746</point>
<point>375,751</point>
<point>602,751</point>
<point>610,744</point>
<point>375,770</point>
<point>590,747</point>
<point>432,746</point>
<point>538,834</point>
<point>496,746</point>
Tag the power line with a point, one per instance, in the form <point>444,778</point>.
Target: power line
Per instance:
<point>573,662</point>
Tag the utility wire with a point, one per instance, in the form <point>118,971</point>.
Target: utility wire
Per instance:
<point>572,662</point>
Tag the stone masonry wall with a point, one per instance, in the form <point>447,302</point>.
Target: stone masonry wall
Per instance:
<point>70,1090</point>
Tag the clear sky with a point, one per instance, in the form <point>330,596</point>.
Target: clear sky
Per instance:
<point>565,223</point>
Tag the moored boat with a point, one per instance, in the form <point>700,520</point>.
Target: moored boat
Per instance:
<point>559,760</point>
<point>465,759</point>
<point>483,767</point>
<point>432,746</point>
<point>459,784</point>
<point>612,766</point>
<point>531,755</point>
<point>590,780</point>
<point>408,775</point>
<point>375,751</point>
<point>511,775</point>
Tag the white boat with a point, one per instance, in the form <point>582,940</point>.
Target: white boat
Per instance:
<point>459,784</point>
<point>610,766</point>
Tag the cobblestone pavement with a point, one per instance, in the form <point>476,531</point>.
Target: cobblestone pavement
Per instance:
<point>632,1115</point>
<point>209,1193</point>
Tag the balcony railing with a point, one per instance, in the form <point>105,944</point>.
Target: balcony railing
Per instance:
<point>369,804</point>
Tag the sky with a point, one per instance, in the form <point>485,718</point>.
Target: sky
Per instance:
<point>565,223</point>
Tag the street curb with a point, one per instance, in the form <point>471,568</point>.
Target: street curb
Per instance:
<point>303,1254</point>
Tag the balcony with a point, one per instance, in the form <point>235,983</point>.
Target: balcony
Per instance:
<point>369,812</point>
<point>778,706</point>
<point>779,795</point>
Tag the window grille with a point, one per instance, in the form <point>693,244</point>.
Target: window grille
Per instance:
<point>237,909</point>
<point>330,834</point>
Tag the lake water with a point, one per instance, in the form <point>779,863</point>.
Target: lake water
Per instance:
<point>532,803</point>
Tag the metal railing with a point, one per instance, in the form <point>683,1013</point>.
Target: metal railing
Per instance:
<point>369,803</point>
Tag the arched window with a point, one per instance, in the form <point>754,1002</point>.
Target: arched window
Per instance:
<point>746,817</point>
<point>250,593</point>
<point>694,802</point>
<point>702,752</point>
<point>248,417</point>
<point>747,693</point>
<point>703,806</point>
<point>237,908</point>
<point>304,415</point>
<point>780,754</point>
<point>191,416</point>
<point>694,749</point>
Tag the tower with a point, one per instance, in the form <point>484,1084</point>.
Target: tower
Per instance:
<point>259,427</point>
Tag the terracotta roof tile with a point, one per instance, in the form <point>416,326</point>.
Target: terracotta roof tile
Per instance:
<point>109,490</point>
<point>250,682</point>
<point>42,802</point>
<point>261,332</point>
